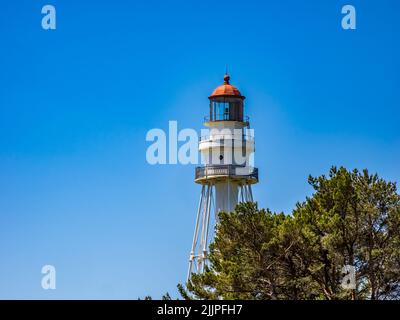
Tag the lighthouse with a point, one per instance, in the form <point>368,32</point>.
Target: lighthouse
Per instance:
<point>227,172</point>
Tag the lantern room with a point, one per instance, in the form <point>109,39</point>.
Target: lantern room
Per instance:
<point>226,103</point>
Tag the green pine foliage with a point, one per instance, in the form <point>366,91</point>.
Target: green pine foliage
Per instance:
<point>353,218</point>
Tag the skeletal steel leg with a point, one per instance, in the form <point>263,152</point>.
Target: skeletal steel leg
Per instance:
<point>250,193</point>
<point>198,254</point>
<point>203,226</point>
<point>196,231</point>
<point>206,226</point>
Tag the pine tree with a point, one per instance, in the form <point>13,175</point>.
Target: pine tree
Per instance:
<point>351,219</point>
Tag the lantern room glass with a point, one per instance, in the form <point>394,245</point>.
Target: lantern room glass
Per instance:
<point>226,109</point>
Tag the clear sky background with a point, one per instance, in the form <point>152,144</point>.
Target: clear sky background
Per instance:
<point>76,104</point>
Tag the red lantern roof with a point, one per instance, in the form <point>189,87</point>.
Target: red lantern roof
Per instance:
<point>226,90</point>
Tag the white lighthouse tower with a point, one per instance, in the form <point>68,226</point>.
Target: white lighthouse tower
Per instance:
<point>227,175</point>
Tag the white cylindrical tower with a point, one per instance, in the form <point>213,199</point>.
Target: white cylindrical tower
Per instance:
<point>227,175</point>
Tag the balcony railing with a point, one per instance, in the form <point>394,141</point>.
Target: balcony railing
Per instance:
<point>234,171</point>
<point>226,136</point>
<point>224,117</point>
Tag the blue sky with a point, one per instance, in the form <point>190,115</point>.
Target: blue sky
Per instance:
<point>76,103</point>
